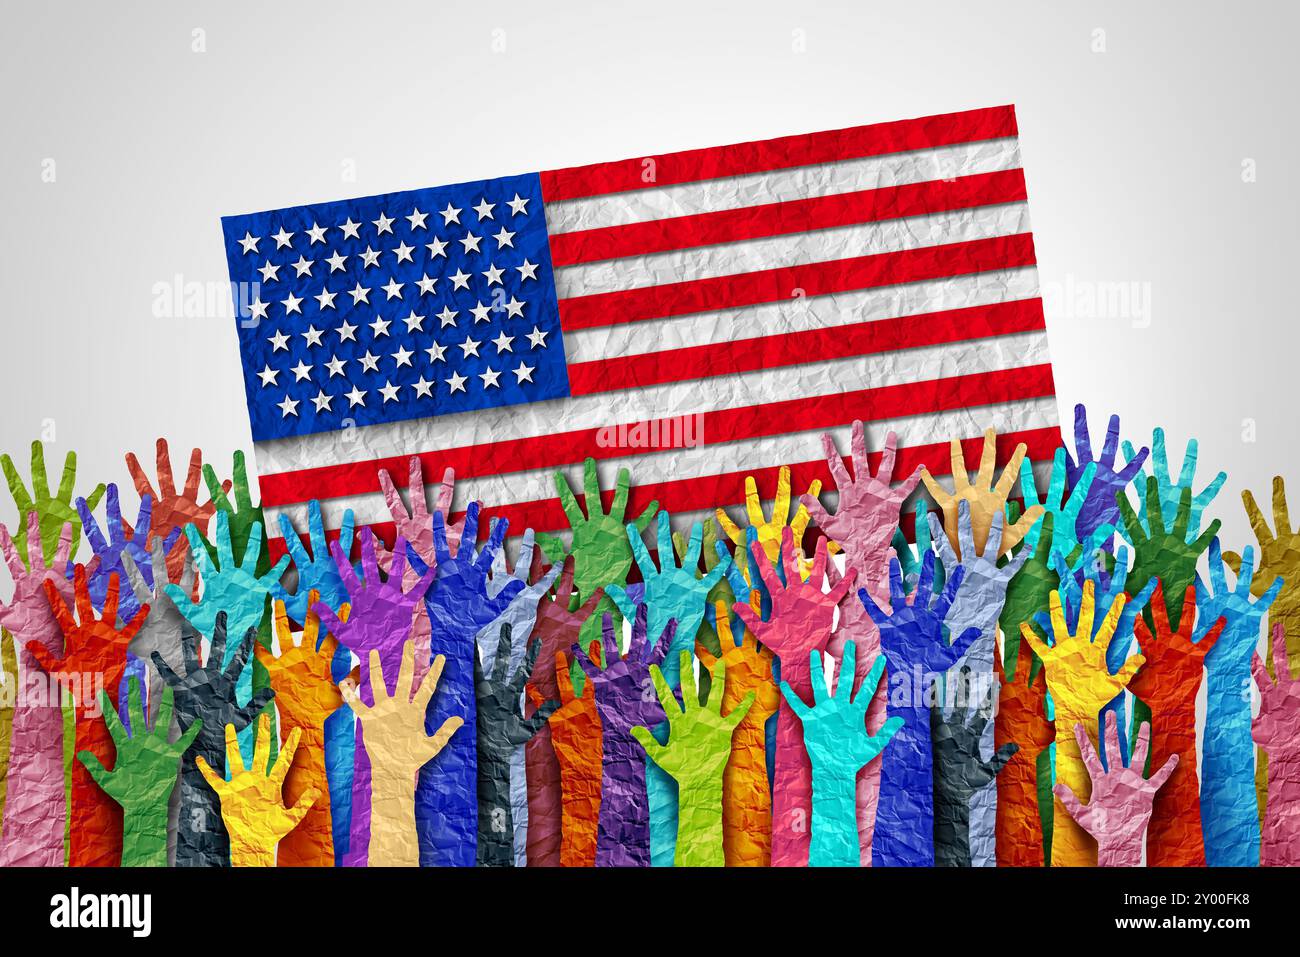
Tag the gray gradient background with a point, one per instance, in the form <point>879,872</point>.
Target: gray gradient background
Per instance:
<point>1133,158</point>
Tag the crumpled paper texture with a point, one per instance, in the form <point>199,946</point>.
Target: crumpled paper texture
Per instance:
<point>695,754</point>
<point>912,638</point>
<point>1168,682</point>
<point>578,742</point>
<point>92,648</point>
<point>838,745</point>
<point>1277,731</point>
<point>623,829</point>
<point>1120,807</point>
<point>35,809</point>
<point>1022,720</point>
<point>746,791</point>
<point>305,696</point>
<point>961,771</point>
<point>205,692</point>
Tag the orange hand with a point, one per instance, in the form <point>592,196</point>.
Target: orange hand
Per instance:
<point>746,797</point>
<point>305,695</point>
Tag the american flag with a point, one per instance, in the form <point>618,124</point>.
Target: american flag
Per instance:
<point>696,316</point>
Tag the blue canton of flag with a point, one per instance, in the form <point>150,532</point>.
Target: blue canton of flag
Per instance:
<point>399,306</point>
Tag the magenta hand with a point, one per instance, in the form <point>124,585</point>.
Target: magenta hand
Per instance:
<point>1277,731</point>
<point>35,810</point>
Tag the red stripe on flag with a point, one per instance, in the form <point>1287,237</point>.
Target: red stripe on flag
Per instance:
<point>795,216</point>
<point>785,152</point>
<point>786,282</point>
<point>810,345</point>
<point>688,495</point>
<point>720,426</point>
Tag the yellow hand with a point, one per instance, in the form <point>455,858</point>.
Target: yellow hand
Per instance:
<point>251,801</point>
<point>770,530</point>
<point>985,498</point>
<point>1080,683</point>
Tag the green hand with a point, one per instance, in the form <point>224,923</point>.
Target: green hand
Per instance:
<point>696,753</point>
<point>143,776</point>
<point>601,553</point>
<point>52,510</point>
<point>242,512</point>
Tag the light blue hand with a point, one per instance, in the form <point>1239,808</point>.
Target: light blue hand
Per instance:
<point>839,746</point>
<point>1229,809</point>
<point>1171,491</point>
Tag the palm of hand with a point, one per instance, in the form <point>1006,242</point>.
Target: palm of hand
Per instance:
<point>601,553</point>
<point>699,744</point>
<point>1080,681</point>
<point>624,697</point>
<point>304,686</point>
<point>1120,806</point>
<point>144,771</point>
<point>1022,714</point>
<point>208,696</point>
<point>749,668</point>
<point>801,621</point>
<point>28,616</point>
<point>390,726</point>
<point>835,733</point>
<point>914,636</point>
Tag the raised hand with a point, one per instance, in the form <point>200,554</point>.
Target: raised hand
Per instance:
<point>205,695</point>
<point>399,746</point>
<point>556,630</point>
<point>316,570</point>
<point>251,801</point>
<point>302,676</point>
<point>172,509</point>
<point>93,661</point>
<point>143,776</point>
<point>1065,510</point>
<point>799,623</point>
<point>1107,586</point>
<point>1024,817</point>
<point>576,736</point>
<point>242,515</point>
<point>415,524</point>
<point>912,638</point>
<point>910,556</point>
<point>1277,732</point>
<point>1080,683</point>
<point>672,592</point>
<point>746,795</point>
<point>380,620</point>
<point>460,604</point>
<point>31,721</point>
<point>839,746</point>
<point>1279,557</point>
<point>770,530</point>
<point>502,730</point>
<point>1229,809</point>
<point>1027,592</point>
<point>1165,552</point>
<point>695,754</point>
<point>864,520</point>
<point>1168,684</point>
<point>53,511</point>
<point>230,586</point>
<point>161,633</point>
<point>985,498</point>
<point>1099,508</point>
<point>600,547</point>
<point>1171,492</point>
<point>622,701</point>
<point>960,773</point>
<point>1120,806</point>
<point>109,550</point>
